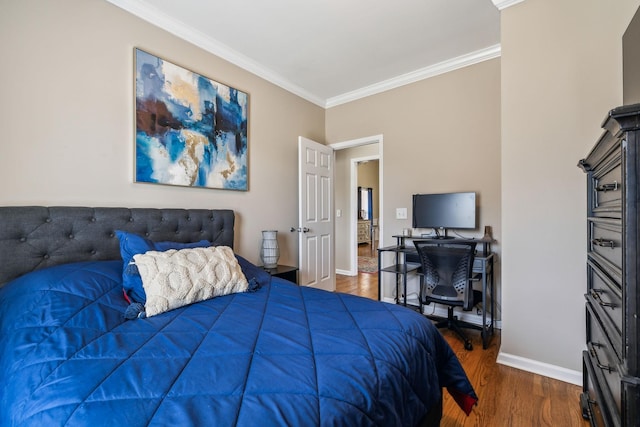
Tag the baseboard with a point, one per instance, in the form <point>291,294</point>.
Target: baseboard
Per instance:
<point>465,316</point>
<point>440,311</point>
<point>540,368</point>
<point>529,365</point>
<point>346,272</point>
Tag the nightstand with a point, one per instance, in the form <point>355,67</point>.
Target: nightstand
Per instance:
<point>285,272</point>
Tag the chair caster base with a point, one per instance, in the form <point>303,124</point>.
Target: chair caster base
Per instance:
<point>468,346</point>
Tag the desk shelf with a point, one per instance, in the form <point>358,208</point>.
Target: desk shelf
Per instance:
<point>482,272</point>
<point>401,268</point>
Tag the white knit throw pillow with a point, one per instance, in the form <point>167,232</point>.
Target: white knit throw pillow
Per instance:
<point>175,278</point>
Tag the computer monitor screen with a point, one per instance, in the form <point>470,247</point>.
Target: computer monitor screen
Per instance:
<point>447,210</point>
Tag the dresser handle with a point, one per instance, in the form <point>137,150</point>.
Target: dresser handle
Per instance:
<point>594,354</point>
<point>608,187</point>
<point>603,243</point>
<point>595,293</point>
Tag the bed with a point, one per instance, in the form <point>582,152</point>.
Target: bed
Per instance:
<point>275,354</point>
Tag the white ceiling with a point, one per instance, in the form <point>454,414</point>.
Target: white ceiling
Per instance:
<point>334,51</point>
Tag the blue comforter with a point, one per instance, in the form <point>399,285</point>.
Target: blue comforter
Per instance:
<point>281,356</point>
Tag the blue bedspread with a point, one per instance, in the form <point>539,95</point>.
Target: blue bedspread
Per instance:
<point>282,356</point>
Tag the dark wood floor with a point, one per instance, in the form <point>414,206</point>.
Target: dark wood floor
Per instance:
<point>507,396</point>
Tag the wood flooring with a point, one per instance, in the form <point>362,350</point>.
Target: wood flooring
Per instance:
<point>507,396</point>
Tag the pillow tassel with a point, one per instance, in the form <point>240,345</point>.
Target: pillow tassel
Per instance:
<point>253,285</point>
<point>135,311</point>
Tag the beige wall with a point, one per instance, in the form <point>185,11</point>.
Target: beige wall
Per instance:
<point>561,72</point>
<point>66,113</point>
<point>441,134</point>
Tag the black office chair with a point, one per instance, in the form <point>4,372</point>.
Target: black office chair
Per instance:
<point>446,279</point>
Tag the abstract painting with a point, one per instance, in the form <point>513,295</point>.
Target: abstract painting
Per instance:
<point>190,130</point>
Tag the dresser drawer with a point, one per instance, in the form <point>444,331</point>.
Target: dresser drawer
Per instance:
<point>364,234</point>
<point>605,363</point>
<point>606,184</point>
<point>605,297</point>
<point>591,399</point>
<point>605,243</point>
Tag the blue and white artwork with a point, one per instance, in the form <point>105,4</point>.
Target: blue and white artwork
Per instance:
<point>190,130</point>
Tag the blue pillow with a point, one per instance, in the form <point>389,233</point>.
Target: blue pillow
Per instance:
<point>256,276</point>
<point>132,244</point>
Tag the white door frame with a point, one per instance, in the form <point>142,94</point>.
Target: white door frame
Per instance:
<point>353,185</point>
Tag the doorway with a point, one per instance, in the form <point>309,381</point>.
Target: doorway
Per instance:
<point>367,211</point>
<point>348,155</point>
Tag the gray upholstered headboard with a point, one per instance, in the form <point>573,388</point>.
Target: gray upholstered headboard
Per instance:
<point>33,237</point>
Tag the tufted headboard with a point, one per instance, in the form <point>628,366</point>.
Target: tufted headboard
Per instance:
<point>34,237</point>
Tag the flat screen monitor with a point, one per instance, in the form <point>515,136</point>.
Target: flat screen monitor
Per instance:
<point>446,210</point>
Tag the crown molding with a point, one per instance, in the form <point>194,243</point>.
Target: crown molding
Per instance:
<point>148,13</point>
<point>414,76</point>
<point>152,15</point>
<point>503,4</point>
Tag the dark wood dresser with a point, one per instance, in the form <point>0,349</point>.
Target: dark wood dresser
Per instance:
<point>611,372</point>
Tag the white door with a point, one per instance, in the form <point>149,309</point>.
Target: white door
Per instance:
<point>315,215</point>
